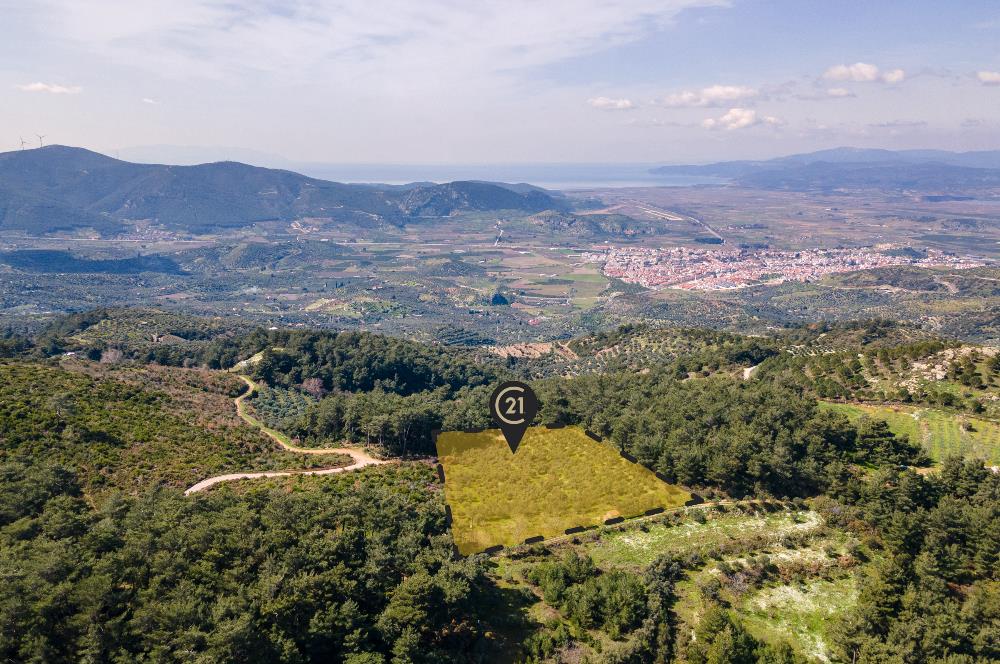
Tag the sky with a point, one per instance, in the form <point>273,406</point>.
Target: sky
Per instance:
<point>517,81</point>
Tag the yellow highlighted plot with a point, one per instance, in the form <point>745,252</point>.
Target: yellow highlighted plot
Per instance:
<point>558,479</point>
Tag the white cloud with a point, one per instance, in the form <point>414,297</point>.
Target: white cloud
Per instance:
<point>894,76</point>
<point>149,100</point>
<point>899,124</point>
<point>714,95</point>
<point>859,71</point>
<point>609,104</point>
<point>391,43</point>
<point>989,77</point>
<point>739,118</point>
<point>389,75</point>
<point>863,72</point>
<point>839,92</point>
<point>51,88</point>
<point>658,122</point>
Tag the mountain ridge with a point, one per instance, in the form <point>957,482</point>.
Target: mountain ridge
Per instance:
<point>60,188</point>
<point>856,168</point>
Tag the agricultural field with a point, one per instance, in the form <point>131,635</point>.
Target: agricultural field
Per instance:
<point>797,220</point>
<point>413,281</point>
<point>558,479</point>
<point>940,432</point>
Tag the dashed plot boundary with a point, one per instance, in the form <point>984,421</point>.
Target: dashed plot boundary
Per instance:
<point>695,500</point>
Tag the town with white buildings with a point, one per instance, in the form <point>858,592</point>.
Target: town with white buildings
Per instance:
<point>706,269</point>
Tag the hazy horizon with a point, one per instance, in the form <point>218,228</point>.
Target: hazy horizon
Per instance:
<point>564,176</point>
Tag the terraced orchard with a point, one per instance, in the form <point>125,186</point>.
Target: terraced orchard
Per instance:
<point>638,548</point>
<point>558,479</point>
<point>940,432</point>
<point>785,575</point>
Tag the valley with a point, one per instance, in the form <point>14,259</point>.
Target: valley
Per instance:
<point>478,272</point>
<point>765,416</point>
<point>590,332</point>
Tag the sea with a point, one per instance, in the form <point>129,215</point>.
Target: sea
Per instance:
<point>562,177</point>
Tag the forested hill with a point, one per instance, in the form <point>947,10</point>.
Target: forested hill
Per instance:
<point>812,519</point>
<point>59,187</point>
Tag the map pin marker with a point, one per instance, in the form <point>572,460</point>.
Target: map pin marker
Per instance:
<point>513,406</point>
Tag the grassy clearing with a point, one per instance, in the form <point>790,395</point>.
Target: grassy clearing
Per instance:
<point>800,613</point>
<point>941,433</point>
<point>585,303</point>
<point>805,588</point>
<point>558,479</point>
<point>589,277</point>
<point>640,547</point>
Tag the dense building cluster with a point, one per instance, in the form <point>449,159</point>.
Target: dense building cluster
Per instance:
<point>699,269</point>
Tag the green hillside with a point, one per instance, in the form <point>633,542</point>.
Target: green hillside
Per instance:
<point>133,429</point>
<point>941,433</point>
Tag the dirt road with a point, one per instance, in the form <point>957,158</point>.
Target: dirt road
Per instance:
<point>361,458</point>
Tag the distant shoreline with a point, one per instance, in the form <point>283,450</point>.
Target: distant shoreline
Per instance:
<point>558,177</point>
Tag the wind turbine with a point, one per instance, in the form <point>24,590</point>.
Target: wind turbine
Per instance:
<point>40,137</point>
<point>23,142</point>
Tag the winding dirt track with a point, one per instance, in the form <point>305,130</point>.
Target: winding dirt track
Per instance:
<point>361,458</point>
